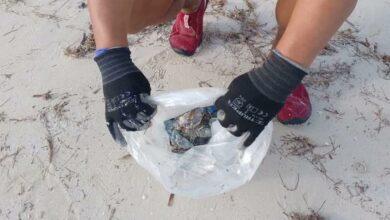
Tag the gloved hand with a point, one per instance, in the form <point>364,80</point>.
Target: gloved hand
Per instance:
<point>126,92</point>
<point>253,99</point>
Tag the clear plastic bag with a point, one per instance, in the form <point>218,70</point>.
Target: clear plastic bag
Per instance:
<point>206,170</point>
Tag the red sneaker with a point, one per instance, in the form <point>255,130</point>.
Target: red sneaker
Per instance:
<point>187,32</point>
<point>297,109</point>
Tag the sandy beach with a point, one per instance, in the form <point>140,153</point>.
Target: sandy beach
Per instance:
<point>58,161</point>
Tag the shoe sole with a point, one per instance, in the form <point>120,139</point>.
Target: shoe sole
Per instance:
<point>295,121</point>
<point>183,52</point>
<point>187,53</point>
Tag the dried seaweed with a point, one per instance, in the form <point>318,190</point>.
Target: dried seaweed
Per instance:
<point>386,59</point>
<point>218,4</point>
<point>302,216</point>
<point>50,147</point>
<point>86,46</point>
<point>297,145</point>
<point>285,185</point>
<point>326,74</point>
<point>3,116</point>
<point>82,5</point>
<point>312,215</point>
<point>13,155</point>
<point>59,109</point>
<point>49,136</point>
<point>251,32</point>
<point>46,96</point>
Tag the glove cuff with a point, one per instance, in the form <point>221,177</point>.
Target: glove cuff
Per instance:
<point>115,63</point>
<point>277,78</point>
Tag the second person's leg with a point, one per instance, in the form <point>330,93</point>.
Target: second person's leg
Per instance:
<point>311,26</point>
<point>297,108</point>
<point>305,26</point>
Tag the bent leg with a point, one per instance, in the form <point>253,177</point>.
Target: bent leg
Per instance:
<point>145,13</point>
<point>283,11</point>
<point>113,20</point>
<point>310,26</point>
<point>109,22</point>
<point>304,28</point>
<point>297,108</point>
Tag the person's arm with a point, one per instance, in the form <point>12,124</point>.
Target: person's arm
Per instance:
<point>254,99</point>
<point>125,88</point>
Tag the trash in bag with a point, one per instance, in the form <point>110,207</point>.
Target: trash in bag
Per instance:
<point>190,129</point>
<point>210,161</point>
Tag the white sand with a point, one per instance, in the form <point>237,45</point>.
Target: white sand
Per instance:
<point>87,179</point>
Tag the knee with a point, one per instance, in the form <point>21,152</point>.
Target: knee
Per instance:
<point>283,11</point>
<point>282,21</point>
<point>352,5</point>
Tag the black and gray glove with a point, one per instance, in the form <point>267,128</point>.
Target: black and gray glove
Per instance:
<point>126,92</point>
<point>253,99</point>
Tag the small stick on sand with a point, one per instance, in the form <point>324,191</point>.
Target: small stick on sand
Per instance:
<point>285,186</point>
<point>171,199</point>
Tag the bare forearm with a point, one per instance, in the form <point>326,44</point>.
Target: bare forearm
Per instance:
<point>311,26</point>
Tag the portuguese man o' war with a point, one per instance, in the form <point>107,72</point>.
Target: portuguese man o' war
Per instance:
<point>190,129</point>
